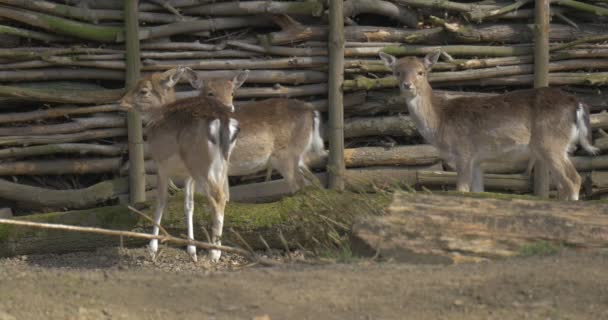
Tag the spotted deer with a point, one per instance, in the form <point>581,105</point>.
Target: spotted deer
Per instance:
<point>278,133</point>
<point>544,123</point>
<point>189,139</point>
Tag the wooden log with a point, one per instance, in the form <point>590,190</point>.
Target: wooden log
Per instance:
<point>176,46</point>
<point>61,74</point>
<point>30,34</point>
<point>309,7</point>
<point>78,124</point>
<point>299,219</point>
<point>280,63</point>
<point>402,14</point>
<point>25,196</point>
<point>292,31</point>
<point>378,126</point>
<point>55,113</point>
<point>60,95</point>
<point>63,148</point>
<point>271,76</point>
<point>86,14</point>
<point>61,166</point>
<point>480,16</point>
<point>414,155</point>
<point>335,125</point>
<point>63,138</point>
<point>597,10</point>
<point>447,79</point>
<point>402,125</point>
<point>453,229</point>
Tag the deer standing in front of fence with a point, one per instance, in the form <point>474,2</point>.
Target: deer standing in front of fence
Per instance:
<point>278,133</point>
<point>545,123</point>
<point>189,139</point>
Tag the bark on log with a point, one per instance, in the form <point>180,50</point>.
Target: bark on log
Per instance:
<point>78,124</point>
<point>414,155</point>
<point>293,32</point>
<point>270,76</point>
<point>597,10</point>
<point>308,7</point>
<point>89,15</point>
<point>63,138</point>
<point>63,148</point>
<point>34,197</point>
<point>55,113</point>
<point>280,63</point>
<point>61,166</point>
<point>443,79</point>
<point>59,95</point>
<point>384,8</point>
<point>29,34</point>
<point>60,74</point>
<point>404,126</point>
<point>453,229</point>
<point>377,126</point>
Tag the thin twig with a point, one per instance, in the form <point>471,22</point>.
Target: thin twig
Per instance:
<point>283,241</point>
<point>245,243</point>
<point>145,216</point>
<point>199,244</point>
<point>268,249</point>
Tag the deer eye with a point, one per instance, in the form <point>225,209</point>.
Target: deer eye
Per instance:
<point>144,91</point>
<point>420,73</point>
<point>210,94</point>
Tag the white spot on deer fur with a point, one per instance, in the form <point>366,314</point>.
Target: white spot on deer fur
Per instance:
<point>234,126</point>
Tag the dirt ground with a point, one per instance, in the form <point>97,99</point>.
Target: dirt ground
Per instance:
<point>125,284</point>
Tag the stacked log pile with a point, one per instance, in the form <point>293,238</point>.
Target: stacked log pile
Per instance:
<point>62,69</point>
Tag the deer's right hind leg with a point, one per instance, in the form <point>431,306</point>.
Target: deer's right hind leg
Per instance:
<point>464,172</point>
<point>287,167</point>
<point>477,184</point>
<point>564,173</point>
<point>161,202</point>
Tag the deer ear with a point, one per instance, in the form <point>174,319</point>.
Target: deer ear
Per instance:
<point>171,77</point>
<point>240,78</point>
<point>430,59</point>
<point>195,81</point>
<point>388,60</point>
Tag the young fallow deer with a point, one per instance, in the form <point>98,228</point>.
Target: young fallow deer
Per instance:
<point>189,139</point>
<point>544,123</point>
<point>279,133</point>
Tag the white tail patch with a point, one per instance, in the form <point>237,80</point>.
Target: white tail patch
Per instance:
<point>214,131</point>
<point>582,121</point>
<point>234,129</point>
<point>216,165</point>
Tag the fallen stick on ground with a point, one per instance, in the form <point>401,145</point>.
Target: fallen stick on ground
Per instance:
<point>162,238</point>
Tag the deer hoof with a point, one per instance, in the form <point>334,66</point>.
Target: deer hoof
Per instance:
<point>214,255</point>
<point>192,252</point>
<point>152,249</point>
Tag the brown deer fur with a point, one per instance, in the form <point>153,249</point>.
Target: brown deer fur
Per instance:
<point>544,123</point>
<point>280,133</point>
<point>190,140</point>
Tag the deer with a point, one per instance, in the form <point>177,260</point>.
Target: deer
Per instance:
<point>189,139</point>
<point>542,123</point>
<point>274,133</point>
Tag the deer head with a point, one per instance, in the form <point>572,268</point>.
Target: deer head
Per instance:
<point>153,91</point>
<point>411,72</point>
<point>220,89</point>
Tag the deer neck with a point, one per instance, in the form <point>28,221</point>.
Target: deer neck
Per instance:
<point>424,112</point>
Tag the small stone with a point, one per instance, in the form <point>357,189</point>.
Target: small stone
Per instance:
<point>458,302</point>
<point>262,317</point>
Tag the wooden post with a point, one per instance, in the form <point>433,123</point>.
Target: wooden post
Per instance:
<point>335,165</point>
<point>541,79</point>
<point>137,183</point>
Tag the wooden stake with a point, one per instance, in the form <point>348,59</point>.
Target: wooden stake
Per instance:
<point>137,183</point>
<point>336,103</point>
<point>541,79</point>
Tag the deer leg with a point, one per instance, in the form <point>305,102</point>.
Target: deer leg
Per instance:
<point>567,179</point>
<point>477,178</point>
<point>464,170</point>
<point>189,210</point>
<point>217,201</point>
<point>287,168</point>
<point>161,202</point>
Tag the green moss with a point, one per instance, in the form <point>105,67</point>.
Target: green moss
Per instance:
<point>361,82</point>
<point>541,248</point>
<point>82,30</point>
